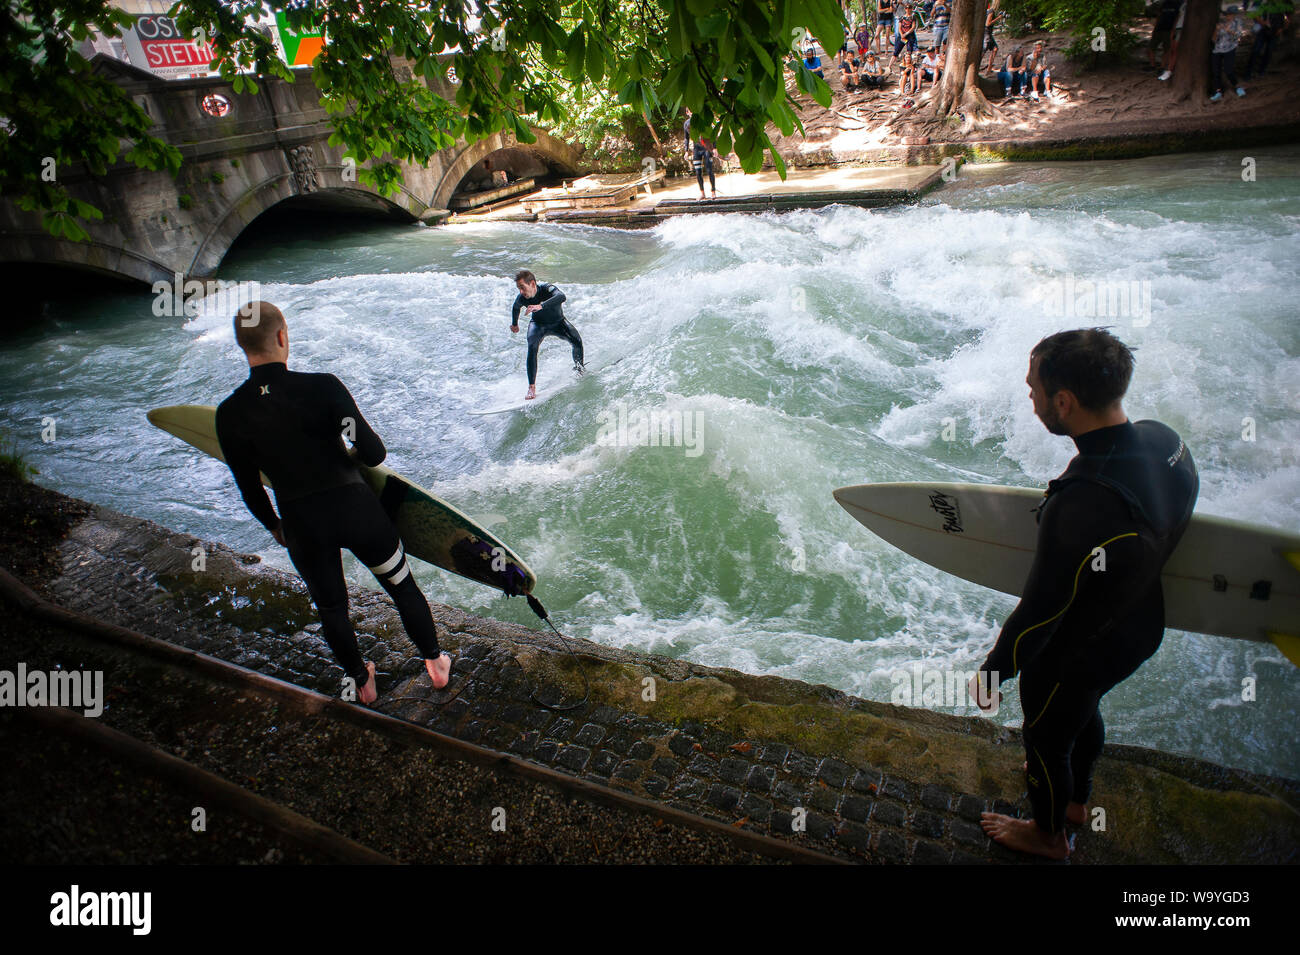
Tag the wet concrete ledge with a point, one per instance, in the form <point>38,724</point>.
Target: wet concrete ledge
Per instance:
<point>876,782</point>
<point>843,185</point>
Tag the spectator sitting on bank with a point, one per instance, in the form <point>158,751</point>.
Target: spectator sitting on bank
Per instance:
<point>1014,75</point>
<point>1268,27</point>
<point>850,66</point>
<point>812,61</point>
<point>1227,34</point>
<point>930,69</point>
<point>940,18</point>
<point>908,79</point>
<point>873,77</point>
<point>1039,73</point>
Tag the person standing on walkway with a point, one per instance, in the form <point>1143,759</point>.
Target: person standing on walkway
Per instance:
<point>291,426</point>
<point>1227,34</point>
<point>1092,610</point>
<point>703,160</point>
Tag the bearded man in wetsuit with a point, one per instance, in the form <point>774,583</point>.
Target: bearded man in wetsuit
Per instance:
<point>1092,610</point>
<point>543,303</point>
<point>290,426</point>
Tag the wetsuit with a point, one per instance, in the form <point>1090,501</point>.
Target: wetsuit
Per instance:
<point>289,426</point>
<point>548,320</point>
<point>703,160</point>
<point>1093,609</point>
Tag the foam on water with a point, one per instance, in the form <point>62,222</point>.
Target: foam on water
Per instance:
<point>814,348</point>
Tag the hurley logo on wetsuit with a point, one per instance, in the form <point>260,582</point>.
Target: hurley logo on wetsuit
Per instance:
<point>1178,453</point>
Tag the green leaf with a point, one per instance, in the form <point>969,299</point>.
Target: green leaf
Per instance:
<point>763,56</point>
<point>715,25</point>
<point>595,61</point>
<point>575,55</point>
<point>777,161</point>
<point>821,91</point>
<point>727,47</point>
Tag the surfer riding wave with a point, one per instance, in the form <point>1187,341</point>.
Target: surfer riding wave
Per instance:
<point>543,303</point>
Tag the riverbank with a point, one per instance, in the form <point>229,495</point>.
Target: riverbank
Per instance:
<point>1120,110</point>
<point>862,186</point>
<point>870,782</point>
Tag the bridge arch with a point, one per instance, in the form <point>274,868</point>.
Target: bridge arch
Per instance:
<point>332,191</point>
<point>554,151</point>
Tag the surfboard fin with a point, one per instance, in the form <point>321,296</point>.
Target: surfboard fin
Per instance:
<point>1288,643</point>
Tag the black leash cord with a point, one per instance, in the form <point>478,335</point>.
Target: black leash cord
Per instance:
<point>536,606</point>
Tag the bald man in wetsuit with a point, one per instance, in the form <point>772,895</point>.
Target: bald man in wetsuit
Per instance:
<point>543,303</point>
<point>1092,610</point>
<point>290,426</point>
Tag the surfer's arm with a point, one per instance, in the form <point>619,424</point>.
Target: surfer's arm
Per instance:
<point>555,299</point>
<point>514,311</point>
<point>1066,536</point>
<point>366,445</point>
<point>242,464</point>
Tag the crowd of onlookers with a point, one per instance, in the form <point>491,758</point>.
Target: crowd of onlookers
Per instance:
<point>889,53</point>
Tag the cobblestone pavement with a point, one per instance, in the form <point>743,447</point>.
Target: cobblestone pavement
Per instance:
<point>137,574</point>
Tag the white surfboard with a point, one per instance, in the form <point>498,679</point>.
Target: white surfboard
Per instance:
<point>431,529</point>
<point>517,385</point>
<point>1227,577</point>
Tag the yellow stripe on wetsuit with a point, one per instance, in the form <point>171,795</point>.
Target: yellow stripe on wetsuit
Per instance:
<point>1015,667</point>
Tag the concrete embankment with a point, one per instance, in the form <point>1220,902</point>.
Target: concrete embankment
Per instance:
<point>867,781</point>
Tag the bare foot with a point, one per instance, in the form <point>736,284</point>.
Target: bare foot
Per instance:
<point>439,670</point>
<point>532,393</point>
<point>367,694</point>
<point>1023,835</point>
<point>1076,814</point>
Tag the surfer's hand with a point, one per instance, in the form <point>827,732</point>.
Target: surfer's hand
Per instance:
<point>533,308</point>
<point>278,533</point>
<point>514,329</point>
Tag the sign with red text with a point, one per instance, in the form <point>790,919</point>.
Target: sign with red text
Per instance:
<point>156,44</point>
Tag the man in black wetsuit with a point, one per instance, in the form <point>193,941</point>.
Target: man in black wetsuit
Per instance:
<point>290,426</point>
<point>1092,610</point>
<point>543,303</point>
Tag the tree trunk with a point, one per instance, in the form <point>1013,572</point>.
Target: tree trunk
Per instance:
<point>1191,76</point>
<point>655,136</point>
<point>960,90</point>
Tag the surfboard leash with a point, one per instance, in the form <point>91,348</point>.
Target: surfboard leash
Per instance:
<point>536,607</point>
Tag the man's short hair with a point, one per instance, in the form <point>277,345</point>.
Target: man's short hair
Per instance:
<point>1091,362</point>
<point>523,275</point>
<point>255,326</point>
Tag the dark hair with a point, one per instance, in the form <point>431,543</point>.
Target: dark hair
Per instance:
<point>1091,362</point>
<point>255,326</point>
<point>523,275</point>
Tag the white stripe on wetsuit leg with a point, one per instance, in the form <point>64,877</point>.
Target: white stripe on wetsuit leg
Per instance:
<point>398,577</point>
<point>387,566</point>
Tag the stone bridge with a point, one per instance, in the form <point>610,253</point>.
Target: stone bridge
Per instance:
<point>268,148</point>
